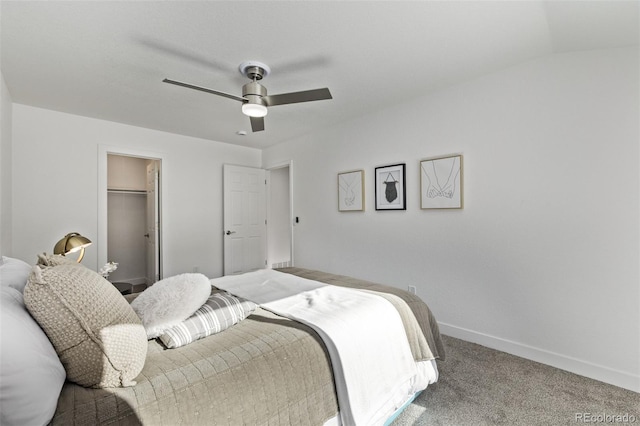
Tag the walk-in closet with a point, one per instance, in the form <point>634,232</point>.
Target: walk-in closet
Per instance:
<point>132,209</point>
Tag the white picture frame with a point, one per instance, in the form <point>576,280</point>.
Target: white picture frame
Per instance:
<point>351,191</point>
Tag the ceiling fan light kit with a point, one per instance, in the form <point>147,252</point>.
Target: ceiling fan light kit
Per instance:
<point>254,95</point>
<point>254,110</point>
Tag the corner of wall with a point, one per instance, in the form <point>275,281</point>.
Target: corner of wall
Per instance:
<point>6,170</point>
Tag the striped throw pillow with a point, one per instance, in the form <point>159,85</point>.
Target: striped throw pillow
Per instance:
<point>220,311</point>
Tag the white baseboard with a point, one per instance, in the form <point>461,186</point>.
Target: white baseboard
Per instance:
<point>583,368</point>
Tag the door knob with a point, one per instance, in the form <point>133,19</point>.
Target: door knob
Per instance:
<point>146,235</point>
<point>230,232</point>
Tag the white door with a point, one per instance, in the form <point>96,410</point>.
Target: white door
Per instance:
<point>245,227</point>
<point>153,223</point>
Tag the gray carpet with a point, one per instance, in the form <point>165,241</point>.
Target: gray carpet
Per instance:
<point>482,386</point>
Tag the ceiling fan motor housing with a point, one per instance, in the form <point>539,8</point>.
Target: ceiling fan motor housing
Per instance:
<point>254,92</point>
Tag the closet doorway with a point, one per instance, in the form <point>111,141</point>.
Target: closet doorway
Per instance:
<point>133,219</point>
<point>280,220</point>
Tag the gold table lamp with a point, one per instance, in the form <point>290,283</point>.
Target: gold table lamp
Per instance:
<point>72,243</point>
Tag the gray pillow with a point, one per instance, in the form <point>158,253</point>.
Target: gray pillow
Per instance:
<point>97,335</point>
<point>220,311</point>
<point>31,375</point>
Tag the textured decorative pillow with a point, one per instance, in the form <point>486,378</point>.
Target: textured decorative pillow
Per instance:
<point>46,259</point>
<point>96,333</point>
<point>14,273</point>
<point>221,311</point>
<point>31,374</point>
<point>170,301</point>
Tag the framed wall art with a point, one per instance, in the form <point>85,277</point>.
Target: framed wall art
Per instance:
<point>441,182</point>
<point>390,187</point>
<point>351,191</point>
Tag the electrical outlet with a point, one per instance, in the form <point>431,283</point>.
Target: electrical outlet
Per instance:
<point>195,269</point>
<point>412,289</point>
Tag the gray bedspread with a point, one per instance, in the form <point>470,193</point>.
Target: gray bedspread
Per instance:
<point>265,370</point>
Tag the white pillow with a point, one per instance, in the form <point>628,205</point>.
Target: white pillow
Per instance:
<point>170,301</point>
<point>31,375</point>
<point>14,273</point>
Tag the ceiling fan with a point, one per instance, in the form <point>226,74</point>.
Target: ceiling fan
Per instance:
<point>254,95</point>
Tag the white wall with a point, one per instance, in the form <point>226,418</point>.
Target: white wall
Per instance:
<point>127,173</point>
<point>55,180</point>
<point>6,112</point>
<point>543,261</point>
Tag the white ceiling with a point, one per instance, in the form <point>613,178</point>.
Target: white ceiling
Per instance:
<point>107,59</point>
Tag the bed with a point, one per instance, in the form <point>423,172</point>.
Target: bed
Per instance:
<point>266,369</point>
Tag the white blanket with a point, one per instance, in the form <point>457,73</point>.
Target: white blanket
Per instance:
<point>374,370</point>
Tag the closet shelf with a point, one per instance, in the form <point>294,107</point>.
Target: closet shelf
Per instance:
<point>127,191</point>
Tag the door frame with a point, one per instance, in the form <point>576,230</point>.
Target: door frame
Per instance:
<point>102,243</point>
<point>269,168</point>
<point>152,213</point>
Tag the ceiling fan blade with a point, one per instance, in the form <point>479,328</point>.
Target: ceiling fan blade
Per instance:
<point>204,89</point>
<point>296,97</point>
<point>257,124</point>
<point>182,53</point>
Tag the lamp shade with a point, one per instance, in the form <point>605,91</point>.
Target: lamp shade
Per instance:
<point>72,243</point>
<point>254,110</point>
